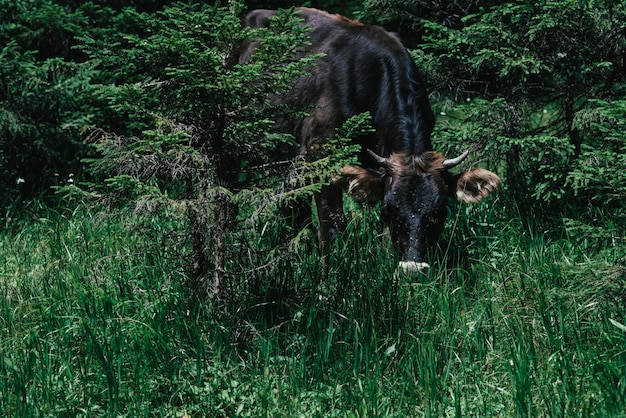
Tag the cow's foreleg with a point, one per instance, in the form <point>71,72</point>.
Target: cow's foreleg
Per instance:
<point>332,222</point>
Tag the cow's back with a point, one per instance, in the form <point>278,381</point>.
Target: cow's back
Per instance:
<point>364,68</point>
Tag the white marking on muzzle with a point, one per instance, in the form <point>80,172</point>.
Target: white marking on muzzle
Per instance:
<point>412,267</point>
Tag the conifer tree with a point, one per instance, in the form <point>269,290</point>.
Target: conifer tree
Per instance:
<point>519,77</point>
<point>190,127</point>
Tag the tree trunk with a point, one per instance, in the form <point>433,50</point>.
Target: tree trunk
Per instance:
<point>197,214</point>
<point>223,216</point>
<point>574,134</point>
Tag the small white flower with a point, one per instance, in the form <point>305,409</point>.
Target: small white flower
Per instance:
<point>20,180</point>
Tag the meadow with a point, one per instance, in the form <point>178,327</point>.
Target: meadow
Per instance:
<point>97,320</point>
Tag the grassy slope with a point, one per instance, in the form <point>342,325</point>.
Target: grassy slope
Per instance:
<point>95,321</point>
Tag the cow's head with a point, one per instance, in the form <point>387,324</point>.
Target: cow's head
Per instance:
<point>414,190</point>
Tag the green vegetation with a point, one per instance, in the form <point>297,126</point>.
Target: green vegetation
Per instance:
<point>165,281</point>
<point>97,321</point>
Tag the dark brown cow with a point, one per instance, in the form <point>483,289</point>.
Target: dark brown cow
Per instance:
<point>366,68</point>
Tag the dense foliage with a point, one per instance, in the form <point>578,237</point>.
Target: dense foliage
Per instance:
<point>543,64</point>
<point>140,174</point>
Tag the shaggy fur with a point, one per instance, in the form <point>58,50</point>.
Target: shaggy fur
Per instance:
<point>367,69</point>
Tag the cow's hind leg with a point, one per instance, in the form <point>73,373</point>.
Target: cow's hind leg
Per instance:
<point>332,222</point>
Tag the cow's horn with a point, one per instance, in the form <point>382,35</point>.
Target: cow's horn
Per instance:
<point>378,159</point>
<point>456,161</point>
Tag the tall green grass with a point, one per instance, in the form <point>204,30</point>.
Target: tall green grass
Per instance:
<point>95,320</point>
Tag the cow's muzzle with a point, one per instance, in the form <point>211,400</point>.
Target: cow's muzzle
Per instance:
<point>412,268</point>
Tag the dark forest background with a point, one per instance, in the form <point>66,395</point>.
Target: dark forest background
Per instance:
<point>539,84</point>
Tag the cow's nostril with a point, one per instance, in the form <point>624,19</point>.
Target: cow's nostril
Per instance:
<point>412,268</point>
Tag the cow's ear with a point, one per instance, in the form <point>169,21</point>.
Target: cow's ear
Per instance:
<point>474,185</point>
<point>364,186</point>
